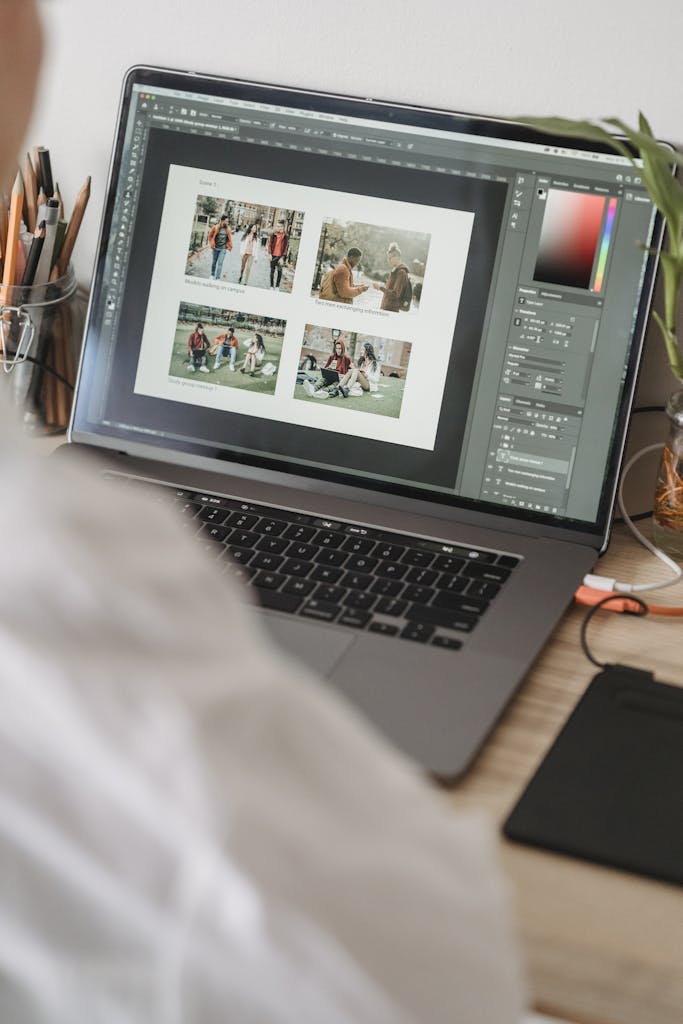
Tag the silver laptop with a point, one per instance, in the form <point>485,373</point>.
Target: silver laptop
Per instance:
<point>382,360</point>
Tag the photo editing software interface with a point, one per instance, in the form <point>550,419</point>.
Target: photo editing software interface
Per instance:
<point>443,313</point>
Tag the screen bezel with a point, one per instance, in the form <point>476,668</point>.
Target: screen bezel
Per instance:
<point>228,461</point>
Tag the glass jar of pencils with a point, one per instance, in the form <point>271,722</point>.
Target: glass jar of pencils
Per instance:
<point>40,335</point>
<point>668,508</point>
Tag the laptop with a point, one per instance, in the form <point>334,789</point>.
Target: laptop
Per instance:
<point>477,293</point>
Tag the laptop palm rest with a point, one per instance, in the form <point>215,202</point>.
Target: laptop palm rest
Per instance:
<point>317,646</point>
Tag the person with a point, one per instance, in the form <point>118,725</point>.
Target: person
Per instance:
<point>197,346</point>
<point>249,251</point>
<point>180,832</point>
<point>224,348</point>
<point>397,288</point>
<point>220,242</point>
<point>340,361</point>
<point>366,372</point>
<point>254,356</point>
<point>277,248</point>
<point>337,284</point>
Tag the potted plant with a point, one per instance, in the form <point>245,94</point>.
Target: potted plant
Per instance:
<point>655,164</point>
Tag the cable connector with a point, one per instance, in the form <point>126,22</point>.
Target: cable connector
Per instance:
<point>591,596</point>
<point>599,583</point>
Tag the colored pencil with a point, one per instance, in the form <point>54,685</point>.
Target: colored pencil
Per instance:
<point>13,228</point>
<point>72,230</point>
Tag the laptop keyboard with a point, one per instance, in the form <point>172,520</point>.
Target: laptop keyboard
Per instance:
<point>338,572</point>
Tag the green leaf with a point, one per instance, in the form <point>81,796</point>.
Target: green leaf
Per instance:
<point>577,129</point>
<point>672,349</point>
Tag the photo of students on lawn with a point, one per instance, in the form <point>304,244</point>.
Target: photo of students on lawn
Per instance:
<point>370,267</point>
<point>227,347</point>
<point>244,243</point>
<point>355,371</point>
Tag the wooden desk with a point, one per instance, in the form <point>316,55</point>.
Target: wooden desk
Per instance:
<point>601,945</point>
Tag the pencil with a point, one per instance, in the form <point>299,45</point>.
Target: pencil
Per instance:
<point>58,196</point>
<point>4,205</point>
<point>72,230</point>
<point>42,198</point>
<point>10,266</point>
<point>34,255</point>
<point>31,194</point>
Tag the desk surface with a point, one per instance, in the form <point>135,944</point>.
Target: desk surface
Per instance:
<point>601,945</point>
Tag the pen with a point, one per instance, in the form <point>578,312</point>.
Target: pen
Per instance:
<point>72,230</point>
<point>34,254</point>
<point>45,171</point>
<point>31,193</point>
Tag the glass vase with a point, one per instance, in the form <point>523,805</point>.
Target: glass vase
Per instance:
<point>668,506</point>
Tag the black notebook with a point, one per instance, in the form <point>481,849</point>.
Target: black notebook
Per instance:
<point>610,789</point>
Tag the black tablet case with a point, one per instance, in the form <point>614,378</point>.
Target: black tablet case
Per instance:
<point>610,789</point>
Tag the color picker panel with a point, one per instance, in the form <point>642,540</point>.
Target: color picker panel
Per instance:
<point>569,238</point>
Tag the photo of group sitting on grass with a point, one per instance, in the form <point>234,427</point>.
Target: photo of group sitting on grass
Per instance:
<point>370,267</point>
<point>227,347</point>
<point>355,371</point>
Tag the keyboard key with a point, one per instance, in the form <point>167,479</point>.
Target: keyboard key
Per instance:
<point>217,533</point>
<point>326,574</point>
<point>241,555</point>
<point>273,545</point>
<point>273,527</point>
<point>359,599</point>
<point>389,552</point>
<point>386,628</point>
<point>420,595</point>
<point>354,617</point>
<point>269,580</point>
<point>445,563</point>
<point>239,572</point>
<point>277,600</point>
<point>328,539</point>
<point>490,573</point>
<point>480,588</point>
<point>508,561</point>
<point>209,514</point>
<point>329,594</point>
<point>361,563</point>
<point>320,610</point>
<point>358,545</point>
<point>297,567</point>
<point>455,584</point>
<point>190,508</point>
<point>262,560</point>
<point>460,602</point>
<point>391,570</point>
<point>415,556</point>
<point>390,606</point>
<point>441,617</point>
<point>298,586</point>
<point>301,533</point>
<point>242,521</point>
<point>357,580</point>
<point>440,640</point>
<point>244,538</point>
<point>300,550</point>
<point>420,631</point>
<point>331,557</point>
<point>387,588</point>
<point>423,577</point>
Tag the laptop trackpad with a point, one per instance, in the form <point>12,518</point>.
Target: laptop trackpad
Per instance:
<point>317,646</point>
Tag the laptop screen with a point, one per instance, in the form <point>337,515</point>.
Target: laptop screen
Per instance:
<point>437,306</point>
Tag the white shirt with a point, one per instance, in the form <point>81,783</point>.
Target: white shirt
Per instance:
<point>192,827</point>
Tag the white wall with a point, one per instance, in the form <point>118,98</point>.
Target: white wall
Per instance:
<point>579,58</point>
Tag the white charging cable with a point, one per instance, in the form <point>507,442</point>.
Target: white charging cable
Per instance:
<point>603,582</point>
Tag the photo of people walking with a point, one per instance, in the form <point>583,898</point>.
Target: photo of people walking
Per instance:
<point>370,267</point>
<point>244,243</point>
<point>227,347</point>
<point>353,371</point>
